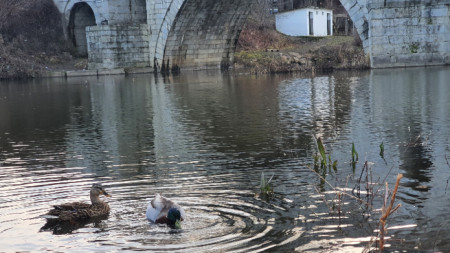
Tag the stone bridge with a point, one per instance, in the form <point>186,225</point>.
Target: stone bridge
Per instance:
<point>199,34</point>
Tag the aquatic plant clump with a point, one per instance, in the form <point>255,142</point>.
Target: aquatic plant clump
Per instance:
<point>362,194</point>
<point>266,188</point>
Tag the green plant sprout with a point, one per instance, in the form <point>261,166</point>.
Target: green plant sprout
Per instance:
<point>382,150</point>
<point>354,154</point>
<point>322,153</point>
<point>266,186</point>
<point>322,156</point>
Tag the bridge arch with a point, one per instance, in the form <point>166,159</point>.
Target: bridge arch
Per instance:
<point>69,5</point>
<point>201,34</point>
<point>357,10</point>
<point>197,34</point>
<point>80,15</point>
<point>160,17</point>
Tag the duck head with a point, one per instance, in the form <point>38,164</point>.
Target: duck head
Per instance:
<point>96,191</point>
<point>174,217</point>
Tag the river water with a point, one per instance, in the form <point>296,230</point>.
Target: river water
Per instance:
<point>203,139</point>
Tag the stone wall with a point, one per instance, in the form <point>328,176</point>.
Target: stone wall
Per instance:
<point>409,33</point>
<point>118,46</point>
<point>127,12</point>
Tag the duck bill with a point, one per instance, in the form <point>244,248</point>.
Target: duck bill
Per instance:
<point>106,194</point>
<point>178,224</point>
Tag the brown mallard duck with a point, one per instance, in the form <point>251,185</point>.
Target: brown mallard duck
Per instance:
<point>78,211</point>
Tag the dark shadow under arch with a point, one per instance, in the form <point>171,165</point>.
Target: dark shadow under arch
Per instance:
<point>204,34</point>
<point>81,15</point>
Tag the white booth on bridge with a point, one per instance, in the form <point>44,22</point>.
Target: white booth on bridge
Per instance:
<point>305,22</point>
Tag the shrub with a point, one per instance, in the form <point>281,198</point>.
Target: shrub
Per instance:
<point>31,25</point>
<point>30,34</point>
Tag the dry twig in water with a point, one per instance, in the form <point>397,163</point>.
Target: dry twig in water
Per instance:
<point>388,210</point>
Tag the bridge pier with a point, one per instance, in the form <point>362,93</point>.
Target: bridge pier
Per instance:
<point>409,33</point>
<point>401,33</point>
<point>160,18</point>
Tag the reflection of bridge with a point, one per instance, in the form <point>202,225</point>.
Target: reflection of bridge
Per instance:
<point>203,33</point>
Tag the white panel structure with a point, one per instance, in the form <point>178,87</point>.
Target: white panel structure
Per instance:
<point>305,22</point>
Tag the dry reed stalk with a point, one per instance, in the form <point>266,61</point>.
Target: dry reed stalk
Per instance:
<point>388,211</point>
<point>369,185</point>
<point>449,177</point>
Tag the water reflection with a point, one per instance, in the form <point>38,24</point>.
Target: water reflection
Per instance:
<point>416,112</point>
<point>203,139</point>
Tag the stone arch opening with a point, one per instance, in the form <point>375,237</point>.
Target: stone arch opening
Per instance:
<point>81,15</point>
<point>204,34</point>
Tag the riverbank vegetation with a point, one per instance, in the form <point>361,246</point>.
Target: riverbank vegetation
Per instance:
<point>368,203</point>
<point>343,201</point>
<point>262,49</point>
<point>31,38</point>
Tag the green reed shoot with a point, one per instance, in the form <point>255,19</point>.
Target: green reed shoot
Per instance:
<point>322,153</point>
<point>322,156</point>
<point>334,165</point>
<point>316,161</point>
<point>354,154</point>
<point>382,150</point>
<point>266,186</point>
<point>354,157</point>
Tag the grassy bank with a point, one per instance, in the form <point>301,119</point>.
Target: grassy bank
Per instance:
<point>264,50</point>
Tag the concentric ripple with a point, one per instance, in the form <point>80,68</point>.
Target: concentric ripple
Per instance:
<point>219,221</point>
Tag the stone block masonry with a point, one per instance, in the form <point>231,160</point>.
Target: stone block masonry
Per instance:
<point>118,46</point>
<point>409,33</point>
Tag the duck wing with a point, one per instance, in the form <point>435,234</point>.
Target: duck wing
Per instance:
<point>158,207</point>
<point>154,208</point>
<point>68,207</point>
<point>67,217</point>
<point>71,211</point>
<point>165,205</point>
<point>71,206</point>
